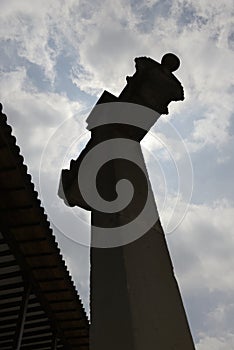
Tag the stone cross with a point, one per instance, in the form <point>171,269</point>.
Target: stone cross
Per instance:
<point>135,303</point>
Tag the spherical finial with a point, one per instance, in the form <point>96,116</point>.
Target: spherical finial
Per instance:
<point>170,61</point>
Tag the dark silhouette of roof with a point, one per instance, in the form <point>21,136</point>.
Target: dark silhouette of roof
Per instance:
<point>40,307</point>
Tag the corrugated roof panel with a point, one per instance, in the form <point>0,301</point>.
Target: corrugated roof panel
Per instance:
<point>29,255</point>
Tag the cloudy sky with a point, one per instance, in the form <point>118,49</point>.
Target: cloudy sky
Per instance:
<point>58,56</point>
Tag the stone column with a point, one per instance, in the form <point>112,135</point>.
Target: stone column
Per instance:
<point>135,301</point>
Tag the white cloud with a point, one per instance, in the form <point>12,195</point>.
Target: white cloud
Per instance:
<point>202,253</point>
<point>101,39</point>
<point>77,262</point>
<point>35,116</point>
<point>28,25</point>
<point>216,343</point>
<point>207,233</point>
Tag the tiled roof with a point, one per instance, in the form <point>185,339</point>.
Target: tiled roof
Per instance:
<point>32,271</point>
